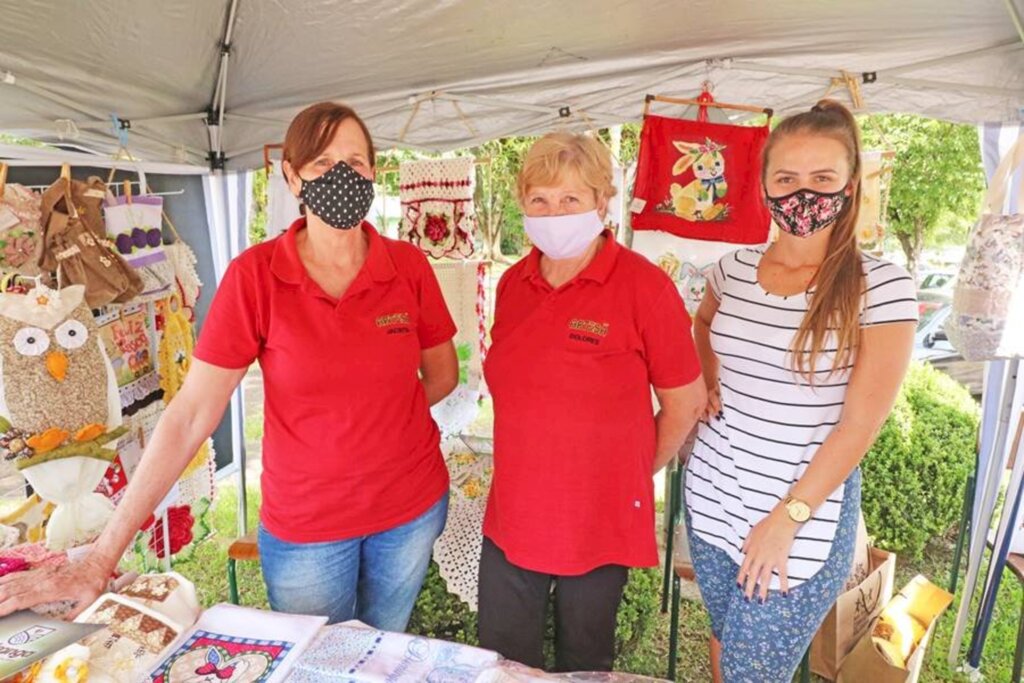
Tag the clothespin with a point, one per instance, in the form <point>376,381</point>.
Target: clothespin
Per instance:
<point>65,172</point>
<point>121,128</point>
<point>127,185</point>
<point>3,178</point>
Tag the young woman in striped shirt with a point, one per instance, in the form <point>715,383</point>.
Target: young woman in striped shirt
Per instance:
<point>804,344</point>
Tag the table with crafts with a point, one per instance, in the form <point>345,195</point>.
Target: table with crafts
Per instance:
<point>151,628</point>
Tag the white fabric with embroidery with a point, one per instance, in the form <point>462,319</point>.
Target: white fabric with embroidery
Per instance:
<point>357,653</point>
<point>184,261</point>
<point>248,629</point>
<point>459,282</point>
<point>457,550</point>
<point>437,206</point>
<point>198,481</point>
<point>457,411</point>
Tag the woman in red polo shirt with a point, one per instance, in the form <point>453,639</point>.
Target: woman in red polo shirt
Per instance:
<point>583,329</point>
<point>354,341</point>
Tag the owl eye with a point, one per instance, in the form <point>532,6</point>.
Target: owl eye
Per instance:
<point>72,334</point>
<point>31,341</point>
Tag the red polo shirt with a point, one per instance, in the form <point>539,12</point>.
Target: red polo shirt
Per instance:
<point>571,371</point>
<point>349,447</point>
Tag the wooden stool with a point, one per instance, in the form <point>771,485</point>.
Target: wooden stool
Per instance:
<point>1015,563</point>
<point>246,550</point>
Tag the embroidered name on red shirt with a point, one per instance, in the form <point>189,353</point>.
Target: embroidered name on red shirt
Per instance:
<point>588,331</point>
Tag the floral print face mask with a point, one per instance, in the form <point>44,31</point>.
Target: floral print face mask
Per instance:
<point>805,212</point>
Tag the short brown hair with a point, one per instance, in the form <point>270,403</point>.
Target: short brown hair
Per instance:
<point>553,154</point>
<point>312,129</point>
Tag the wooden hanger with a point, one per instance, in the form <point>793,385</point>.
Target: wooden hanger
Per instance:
<point>702,102</point>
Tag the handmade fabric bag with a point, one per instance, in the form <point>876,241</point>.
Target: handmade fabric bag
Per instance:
<point>133,224</point>
<point>75,246</point>
<point>21,237</point>
<point>988,301</point>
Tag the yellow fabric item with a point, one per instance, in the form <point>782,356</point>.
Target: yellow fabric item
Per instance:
<point>198,460</point>
<point>174,355</point>
<point>30,519</point>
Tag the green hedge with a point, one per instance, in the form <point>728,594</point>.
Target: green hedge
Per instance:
<point>916,472</point>
<point>439,614</point>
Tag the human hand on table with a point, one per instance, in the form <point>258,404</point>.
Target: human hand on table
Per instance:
<point>766,550</point>
<point>81,581</point>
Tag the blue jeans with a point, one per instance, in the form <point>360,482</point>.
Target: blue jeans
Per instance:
<point>374,578</point>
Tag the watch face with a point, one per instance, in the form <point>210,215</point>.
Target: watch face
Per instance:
<point>799,511</point>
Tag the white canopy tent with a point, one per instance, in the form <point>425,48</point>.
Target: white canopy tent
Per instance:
<point>187,78</point>
<point>199,84</point>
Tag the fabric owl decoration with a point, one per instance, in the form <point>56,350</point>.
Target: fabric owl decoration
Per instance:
<point>59,407</point>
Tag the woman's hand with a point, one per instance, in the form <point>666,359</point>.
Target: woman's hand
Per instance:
<point>81,581</point>
<point>714,405</point>
<point>766,551</point>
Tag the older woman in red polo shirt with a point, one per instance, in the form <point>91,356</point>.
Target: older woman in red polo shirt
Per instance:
<point>354,341</point>
<point>583,329</point>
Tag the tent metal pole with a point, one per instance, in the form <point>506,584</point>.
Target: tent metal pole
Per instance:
<point>29,86</point>
<point>103,125</point>
<point>249,118</point>
<point>1015,93</point>
<point>215,118</point>
<point>550,110</point>
<point>947,59</point>
<point>174,118</point>
<point>1000,550</point>
<point>1015,15</point>
<point>497,102</point>
<point>885,78</point>
<point>894,71</point>
<point>670,74</point>
<point>997,402</point>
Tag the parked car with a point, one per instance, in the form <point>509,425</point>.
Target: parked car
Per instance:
<point>931,345</point>
<point>931,300</point>
<point>936,279</point>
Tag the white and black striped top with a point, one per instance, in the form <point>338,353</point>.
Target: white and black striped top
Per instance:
<point>773,421</point>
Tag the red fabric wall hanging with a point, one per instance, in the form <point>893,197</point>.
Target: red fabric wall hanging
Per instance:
<point>701,180</point>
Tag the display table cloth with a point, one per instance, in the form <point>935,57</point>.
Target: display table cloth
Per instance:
<point>150,625</point>
<point>353,652</point>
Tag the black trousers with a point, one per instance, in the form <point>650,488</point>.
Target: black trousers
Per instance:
<point>513,607</point>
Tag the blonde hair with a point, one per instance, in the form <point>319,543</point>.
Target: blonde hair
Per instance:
<point>551,156</point>
<point>839,282</point>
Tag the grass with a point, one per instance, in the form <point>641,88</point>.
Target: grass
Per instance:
<point>207,568</point>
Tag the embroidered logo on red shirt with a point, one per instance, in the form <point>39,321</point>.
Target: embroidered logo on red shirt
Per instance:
<point>587,331</point>
<point>395,323</point>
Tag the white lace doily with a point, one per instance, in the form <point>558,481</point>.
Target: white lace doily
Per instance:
<point>457,551</point>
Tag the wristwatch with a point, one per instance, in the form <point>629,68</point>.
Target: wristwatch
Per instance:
<point>799,511</point>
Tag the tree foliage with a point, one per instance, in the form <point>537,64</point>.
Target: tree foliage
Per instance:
<point>499,217</point>
<point>937,180</point>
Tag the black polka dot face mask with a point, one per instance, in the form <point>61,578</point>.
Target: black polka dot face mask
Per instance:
<point>341,198</point>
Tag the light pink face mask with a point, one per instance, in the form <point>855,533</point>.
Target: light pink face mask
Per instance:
<point>563,237</point>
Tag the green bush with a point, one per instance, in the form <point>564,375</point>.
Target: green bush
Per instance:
<point>916,472</point>
<point>439,614</point>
